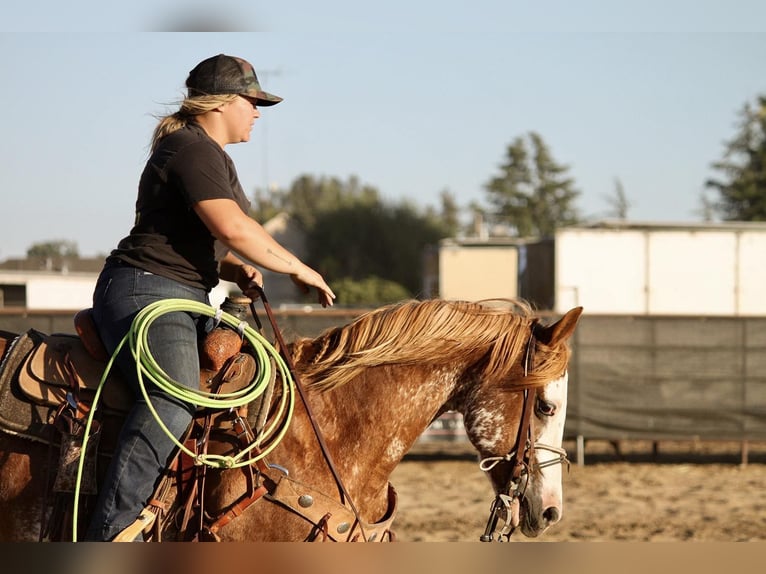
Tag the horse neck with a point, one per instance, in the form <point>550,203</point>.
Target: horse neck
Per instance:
<point>370,423</point>
<point>398,401</point>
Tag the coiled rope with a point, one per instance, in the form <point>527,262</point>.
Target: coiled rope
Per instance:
<point>148,369</point>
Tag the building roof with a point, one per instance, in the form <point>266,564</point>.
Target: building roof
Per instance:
<point>55,264</point>
<point>672,226</point>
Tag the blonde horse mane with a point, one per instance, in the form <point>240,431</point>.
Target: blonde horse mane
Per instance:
<point>434,331</point>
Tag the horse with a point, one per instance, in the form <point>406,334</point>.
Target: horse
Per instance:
<point>370,389</point>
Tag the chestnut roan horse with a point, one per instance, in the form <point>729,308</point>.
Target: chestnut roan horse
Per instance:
<point>369,390</point>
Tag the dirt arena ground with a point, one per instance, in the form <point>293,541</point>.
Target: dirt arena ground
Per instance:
<point>684,491</point>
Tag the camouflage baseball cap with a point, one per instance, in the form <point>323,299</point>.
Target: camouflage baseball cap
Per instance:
<point>224,74</point>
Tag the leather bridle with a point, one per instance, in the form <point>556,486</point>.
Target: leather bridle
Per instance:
<point>508,500</point>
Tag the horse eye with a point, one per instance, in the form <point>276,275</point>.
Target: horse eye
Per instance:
<point>544,408</point>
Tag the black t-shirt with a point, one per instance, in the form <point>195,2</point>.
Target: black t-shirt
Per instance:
<point>168,238</point>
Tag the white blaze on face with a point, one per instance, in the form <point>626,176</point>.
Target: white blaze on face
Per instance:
<point>552,435</point>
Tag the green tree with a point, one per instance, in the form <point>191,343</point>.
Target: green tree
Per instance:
<point>368,291</point>
<point>448,217</point>
<point>53,249</point>
<point>370,251</point>
<point>742,190</point>
<point>379,240</point>
<point>267,205</point>
<point>310,196</point>
<point>532,193</point>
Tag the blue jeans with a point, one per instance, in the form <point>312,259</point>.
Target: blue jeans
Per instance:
<point>144,448</point>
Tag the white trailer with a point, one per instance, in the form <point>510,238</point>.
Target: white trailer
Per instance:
<point>661,269</point>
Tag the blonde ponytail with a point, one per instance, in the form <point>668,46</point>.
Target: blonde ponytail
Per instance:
<point>190,108</point>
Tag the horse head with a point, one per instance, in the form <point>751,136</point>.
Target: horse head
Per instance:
<point>516,422</point>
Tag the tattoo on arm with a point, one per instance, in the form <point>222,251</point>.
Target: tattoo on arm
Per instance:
<point>270,252</point>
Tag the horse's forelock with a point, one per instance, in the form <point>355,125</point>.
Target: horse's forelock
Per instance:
<point>432,331</point>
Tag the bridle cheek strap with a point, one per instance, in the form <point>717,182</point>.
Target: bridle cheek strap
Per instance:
<point>507,502</point>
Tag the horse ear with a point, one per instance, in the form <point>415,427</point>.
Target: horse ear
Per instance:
<point>561,330</point>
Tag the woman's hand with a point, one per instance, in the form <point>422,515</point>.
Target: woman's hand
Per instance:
<point>247,238</point>
<point>248,279</point>
<point>308,278</point>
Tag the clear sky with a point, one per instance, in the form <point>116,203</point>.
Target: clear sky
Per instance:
<point>412,97</point>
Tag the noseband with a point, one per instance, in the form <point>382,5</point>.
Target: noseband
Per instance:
<point>508,500</point>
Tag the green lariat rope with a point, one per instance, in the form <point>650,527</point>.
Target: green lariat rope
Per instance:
<point>147,368</point>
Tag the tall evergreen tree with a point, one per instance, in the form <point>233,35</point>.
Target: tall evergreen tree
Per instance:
<point>532,193</point>
<point>742,191</point>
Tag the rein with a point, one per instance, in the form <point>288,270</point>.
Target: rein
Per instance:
<point>299,387</point>
<point>508,501</point>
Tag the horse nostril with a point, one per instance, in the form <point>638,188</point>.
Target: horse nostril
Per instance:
<point>551,515</point>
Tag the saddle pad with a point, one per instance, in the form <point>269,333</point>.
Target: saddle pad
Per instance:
<point>45,375</point>
<point>18,416</point>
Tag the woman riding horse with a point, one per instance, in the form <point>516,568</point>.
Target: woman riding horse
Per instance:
<point>191,228</point>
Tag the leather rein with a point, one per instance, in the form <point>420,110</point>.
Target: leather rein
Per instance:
<point>508,500</point>
<point>344,496</point>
